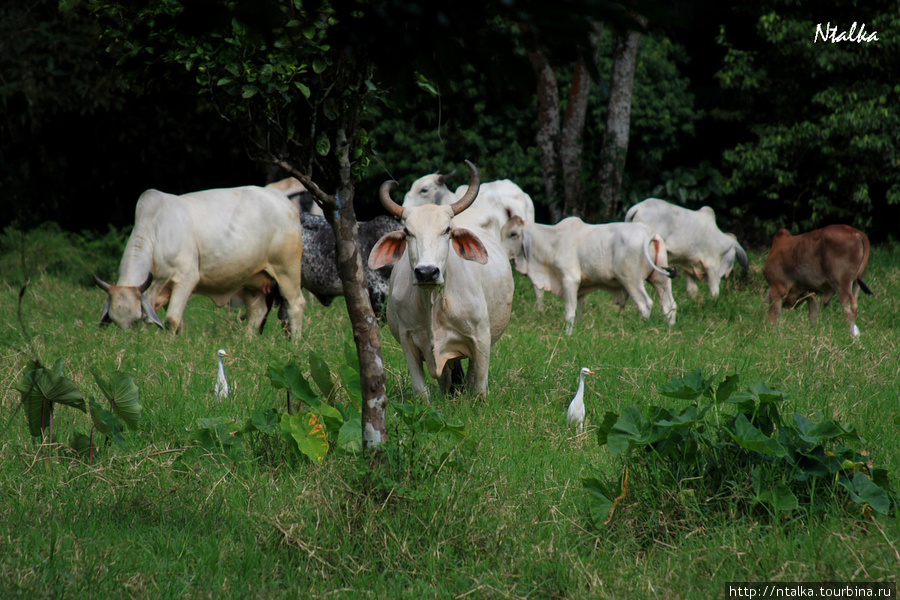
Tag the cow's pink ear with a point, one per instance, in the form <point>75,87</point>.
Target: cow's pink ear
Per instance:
<point>468,246</point>
<point>388,250</point>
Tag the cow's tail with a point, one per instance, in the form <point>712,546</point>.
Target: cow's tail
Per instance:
<point>660,247</point>
<point>741,257</point>
<point>864,287</point>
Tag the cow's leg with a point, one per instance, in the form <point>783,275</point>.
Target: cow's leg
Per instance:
<point>538,299</point>
<point>181,293</point>
<point>414,360</point>
<point>713,284</point>
<point>851,308</point>
<point>570,297</point>
<point>452,377</point>
<point>663,287</point>
<point>255,302</point>
<point>775,297</point>
<point>579,309</point>
<point>638,294</point>
<point>813,302</point>
<point>477,376</point>
<point>289,287</point>
<point>692,289</point>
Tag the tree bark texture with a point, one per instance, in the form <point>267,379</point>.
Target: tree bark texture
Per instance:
<point>548,127</point>
<point>571,145</point>
<point>618,122</point>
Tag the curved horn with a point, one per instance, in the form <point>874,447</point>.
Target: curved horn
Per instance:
<point>101,284</point>
<point>445,178</point>
<point>385,194</point>
<point>143,287</point>
<point>469,197</point>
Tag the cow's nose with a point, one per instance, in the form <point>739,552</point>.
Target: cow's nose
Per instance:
<point>427,273</point>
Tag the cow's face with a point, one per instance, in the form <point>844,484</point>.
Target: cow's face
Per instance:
<point>513,237</point>
<point>427,236</point>
<point>430,189</point>
<point>127,305</point>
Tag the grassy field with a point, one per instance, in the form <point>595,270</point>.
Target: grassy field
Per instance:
<point>502,515</point>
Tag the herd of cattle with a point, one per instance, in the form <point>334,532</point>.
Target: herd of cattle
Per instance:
<point>451,297</point>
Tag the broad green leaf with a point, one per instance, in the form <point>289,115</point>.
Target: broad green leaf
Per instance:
<point>688,388</point>
<point>865,491</point>
<point>304,89</point>
<point>749,437</point>
<point>248,91</point>
<point>631,428</point>
<point>124,396</point>
<point>265,421</point>
<point>816,433</point>
<point>319,65</point>
<point>780,497</point>
<point>308,433</point>
<point>321,374</point>
<point>764,393</point>
<point>40,389</point>
<point>434,422</point>
<point>599,503</point>
<point>609,419</point>
<point>349,438</point>
<point>107,423</point>
<point>350,380</point>
<point>351,358</point>
<point>727,388</point>
<point>289,377</point>
<point>330,417</point>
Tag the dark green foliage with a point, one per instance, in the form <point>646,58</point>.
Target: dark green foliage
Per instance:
<point>823,119</point>
<point>731,447</point>
<point>69,256</point>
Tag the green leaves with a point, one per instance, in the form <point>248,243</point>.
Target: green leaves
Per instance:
<point>308,433</point>
<point>40,389</point>
<point>739,441</point>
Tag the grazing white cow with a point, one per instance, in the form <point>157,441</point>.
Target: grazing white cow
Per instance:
<point>451,289</point>
<point>694,241</point>
<point>573,258</point>
<point>214,243</point>
<point>496,201</point>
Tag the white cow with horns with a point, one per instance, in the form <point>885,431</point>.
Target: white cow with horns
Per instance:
<point>573,258</point>
<point>214,243</point>
<point>451,297</point>
<point>694,241</point>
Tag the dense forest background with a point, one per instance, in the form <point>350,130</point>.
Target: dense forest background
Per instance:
<point>735,105</point>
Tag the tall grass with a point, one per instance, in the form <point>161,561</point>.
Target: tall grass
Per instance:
<point>505,516</point>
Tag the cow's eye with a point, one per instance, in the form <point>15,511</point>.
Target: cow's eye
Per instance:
<point>424,191</point>
<point>447,231</point>
<point>406,232</point>
<point>514,235</point>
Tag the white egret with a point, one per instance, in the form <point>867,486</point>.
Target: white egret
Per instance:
<point>222,388</point>
<point>575,415</point>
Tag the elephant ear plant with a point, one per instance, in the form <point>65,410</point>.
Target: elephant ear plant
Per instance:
<point>728,449</point>
<point>42,389</point>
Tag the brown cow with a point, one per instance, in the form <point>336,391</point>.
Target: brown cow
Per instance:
<point>824,262</point>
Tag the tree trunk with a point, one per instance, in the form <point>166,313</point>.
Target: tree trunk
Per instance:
<point>618,121</point>
<point>548,133</point>
<point>341,216</point>
<point>571,147</point>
